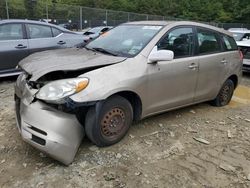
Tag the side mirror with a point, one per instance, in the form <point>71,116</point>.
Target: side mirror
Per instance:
<point>161,55</point>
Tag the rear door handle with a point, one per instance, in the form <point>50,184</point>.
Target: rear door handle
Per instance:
<point>20,46</point>
<point>193,66</point>
<point>61,42</point>
<point>224,61</point>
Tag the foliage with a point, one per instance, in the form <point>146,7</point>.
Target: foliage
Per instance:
<point>200,10</point>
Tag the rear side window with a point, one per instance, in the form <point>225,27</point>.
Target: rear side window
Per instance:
<point>39,31</point>
<point>179,40</point>
<point>229,43</point>
<point>208,41</point>
<point>56,31</point>
<point>11,32</point>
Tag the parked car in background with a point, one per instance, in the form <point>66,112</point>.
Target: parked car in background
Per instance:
<point>95,32</point>
<point>69,26</point>
<point>240,34</point>
<point>244,47</point>
<point>135,71</point>
<point>242,37</point>
<point>20,38</point>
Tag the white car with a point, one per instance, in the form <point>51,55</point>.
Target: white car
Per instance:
<point>240,34</point>
<point>242,37</point>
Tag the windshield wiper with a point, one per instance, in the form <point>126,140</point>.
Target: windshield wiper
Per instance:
<point>104,51</point>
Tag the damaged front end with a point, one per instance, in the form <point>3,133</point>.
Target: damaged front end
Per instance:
<point>52,126</point>
<point>46,116</point>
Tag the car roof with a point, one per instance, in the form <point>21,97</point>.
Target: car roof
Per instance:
<point>239,31</point>
<point>165,23</point>
<point>33,22</point>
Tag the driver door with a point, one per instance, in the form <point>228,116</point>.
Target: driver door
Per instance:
<point>172,84</point>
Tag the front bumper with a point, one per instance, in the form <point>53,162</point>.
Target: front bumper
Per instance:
<point>54,132</point>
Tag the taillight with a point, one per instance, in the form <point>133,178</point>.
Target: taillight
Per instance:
<point>241,55</point>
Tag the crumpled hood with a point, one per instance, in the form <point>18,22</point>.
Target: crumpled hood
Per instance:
<point>39,64</point>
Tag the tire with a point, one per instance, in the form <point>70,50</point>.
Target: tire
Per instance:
<point>225,94</point>
<point>111,123</point>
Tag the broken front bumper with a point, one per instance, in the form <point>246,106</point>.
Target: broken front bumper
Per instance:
<point>54,132</point>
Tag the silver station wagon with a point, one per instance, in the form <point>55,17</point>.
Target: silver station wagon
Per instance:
<point>133,71</point>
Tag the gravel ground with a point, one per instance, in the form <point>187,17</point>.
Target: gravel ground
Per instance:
<point>198,146</point>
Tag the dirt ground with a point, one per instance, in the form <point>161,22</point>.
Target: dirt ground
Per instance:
<point>160,151</point>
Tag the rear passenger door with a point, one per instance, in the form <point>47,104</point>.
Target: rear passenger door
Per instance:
<point>13,45</point>
<point>66,39</point>
<point>60,39</point>
<point>41,38</point>
<point>212,64</point>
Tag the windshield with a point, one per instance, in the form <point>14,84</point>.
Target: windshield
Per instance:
<point>238,36</point>
<point>125,40</point>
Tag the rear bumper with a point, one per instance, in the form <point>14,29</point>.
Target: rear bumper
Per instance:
<point>54,132</point>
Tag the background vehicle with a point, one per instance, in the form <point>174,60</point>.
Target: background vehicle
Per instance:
<point>242,37</point>
<point>20,38</point>
<point>96,32</point>
<point>137,70</point>
<point>69,26</point>
<point>240,34</point>
<point>244,47</point>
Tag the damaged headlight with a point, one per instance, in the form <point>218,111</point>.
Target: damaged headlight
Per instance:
<point>57,90</point>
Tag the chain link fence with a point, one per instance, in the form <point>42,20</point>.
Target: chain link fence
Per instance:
<point>79,17</point>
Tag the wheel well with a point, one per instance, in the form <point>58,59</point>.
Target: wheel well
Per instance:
<point>135,101</point>
<point>234,78</point>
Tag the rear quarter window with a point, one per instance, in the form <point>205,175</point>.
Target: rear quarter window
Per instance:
<point>56,31</point>
<point>229,43</point>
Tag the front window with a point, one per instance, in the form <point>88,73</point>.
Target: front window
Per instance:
<point>125,40</point>
<point>179,40</point>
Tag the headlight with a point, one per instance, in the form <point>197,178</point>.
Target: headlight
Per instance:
<point>57,90</point>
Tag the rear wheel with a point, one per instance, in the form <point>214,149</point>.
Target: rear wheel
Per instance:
<point>111,124</point>
<point>225,94</point>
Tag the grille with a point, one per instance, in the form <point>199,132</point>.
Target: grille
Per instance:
<point>38,130</point>
<point>38,140</point>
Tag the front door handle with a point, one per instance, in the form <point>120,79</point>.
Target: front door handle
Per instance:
<point>224,61</point>
<point>61,42</point>
<point>193,66</point>
<point>20,46</point>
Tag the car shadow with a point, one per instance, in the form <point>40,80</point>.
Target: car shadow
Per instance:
<point>8,79</point>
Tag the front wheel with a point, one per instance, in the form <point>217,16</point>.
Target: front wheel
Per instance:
<point>225,94</point>
<point>111,124</point>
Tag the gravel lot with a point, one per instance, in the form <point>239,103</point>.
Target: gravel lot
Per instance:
<point>160,151</point>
